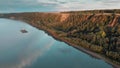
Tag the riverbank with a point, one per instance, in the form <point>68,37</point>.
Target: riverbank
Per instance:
<point>91,53</point>
<point>75,30</point>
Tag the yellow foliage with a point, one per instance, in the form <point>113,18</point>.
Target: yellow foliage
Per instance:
<point>103,34</point>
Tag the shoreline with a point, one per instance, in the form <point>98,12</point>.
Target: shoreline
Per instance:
<point>87,51</point>
<point>91,53</point>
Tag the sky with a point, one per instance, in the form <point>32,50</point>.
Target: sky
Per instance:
<point>56,5</point>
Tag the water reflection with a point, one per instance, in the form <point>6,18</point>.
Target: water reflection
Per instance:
<point>29,55</point>
<point>36,49</point>
<point>25,57</point>
<point>21,50</point>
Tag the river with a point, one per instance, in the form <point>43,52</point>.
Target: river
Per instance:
<point>36,49</point>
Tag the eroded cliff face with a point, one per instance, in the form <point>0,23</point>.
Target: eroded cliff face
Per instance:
<point>108,18</point>
<point>99,32</point>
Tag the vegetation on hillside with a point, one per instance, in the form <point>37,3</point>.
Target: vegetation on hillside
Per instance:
<point>97,30</point>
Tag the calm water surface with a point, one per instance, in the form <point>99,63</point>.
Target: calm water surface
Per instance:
<point>36,49</point>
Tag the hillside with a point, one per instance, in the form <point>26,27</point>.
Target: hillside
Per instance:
<point>97,30</point>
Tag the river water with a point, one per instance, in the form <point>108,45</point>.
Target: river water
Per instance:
<point>36,49</point>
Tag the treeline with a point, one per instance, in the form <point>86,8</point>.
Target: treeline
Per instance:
<point>95,11</point>
<point>91,31</point>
